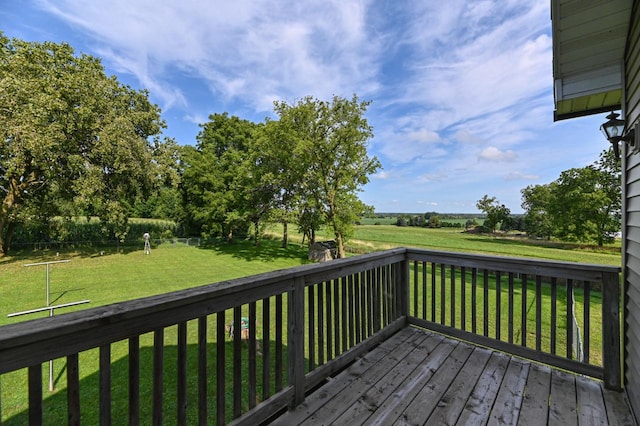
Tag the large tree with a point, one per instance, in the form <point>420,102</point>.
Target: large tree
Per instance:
<point>536,200</point>
<point>495,212</point>
<point>223,184</point>
<point>72,139</point>
<point>583,204</point>
<point>331,139</point>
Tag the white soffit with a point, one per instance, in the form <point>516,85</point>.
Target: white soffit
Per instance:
<point>589,39</point>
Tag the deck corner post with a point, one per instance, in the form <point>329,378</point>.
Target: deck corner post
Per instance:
<point>611,340</point>
<point>295,363</point>
<point>403,288</point>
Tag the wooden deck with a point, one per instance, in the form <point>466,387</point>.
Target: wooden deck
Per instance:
<point>417,377</point>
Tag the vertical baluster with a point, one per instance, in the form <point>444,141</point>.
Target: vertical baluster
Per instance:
<point>510,331</point>
<point>266,345</point>
<point>569,320</point>
<point>134,380</point>
<point>321,325</point>
<point>586,335</point>
<point>486,302</point>
<point>453,296</point>
<point>371,300</point>
<point>498,303</point>
<point>253,366</point>
<point>554,314</point>
<point>463,298</point>
<point>327,286</point>
<point>443,293</point>
<point>73,390</point>
<point>203,374</point>
<point>344,305</point>
<point>237,361</point>
<point>311,306</point>
<point>474,300</point>
<point>377,290</point>
<point>367,321</point>
<point>538,312</point>
<point>415,288</point>
<point>523,326</point>
<point>351,296</point>
<point>433,291</point>
<point>358,309</point>
<point>383,296</point>
<point>424,290</point>
<point>279,360</point>
<point>386,295</point>
<point>220,367</point>
<point>158,370</point>
<point>105,384</point>
<point>35,395</point>
<point>182,373</point>
<point>336,316</point>
<point>400,277</point>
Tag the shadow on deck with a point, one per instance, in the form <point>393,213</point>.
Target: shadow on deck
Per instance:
<point>420,377</point>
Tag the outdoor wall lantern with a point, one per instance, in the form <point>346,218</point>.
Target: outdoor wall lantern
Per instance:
<point>613,130</point>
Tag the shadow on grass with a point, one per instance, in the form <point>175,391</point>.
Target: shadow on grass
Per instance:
<point>268,249</point>
<point>55,406</point>
<point>29,255</point>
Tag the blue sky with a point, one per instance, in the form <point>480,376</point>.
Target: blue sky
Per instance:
<point>461,91</point>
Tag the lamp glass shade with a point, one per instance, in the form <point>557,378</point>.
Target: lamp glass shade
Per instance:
<point>613,128</point>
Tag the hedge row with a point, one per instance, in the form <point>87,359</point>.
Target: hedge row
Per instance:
<point>81,229</point>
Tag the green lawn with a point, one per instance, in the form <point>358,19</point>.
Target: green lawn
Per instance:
<point>118,276</point>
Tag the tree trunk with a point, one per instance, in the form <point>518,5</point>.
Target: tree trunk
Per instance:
<point>285,234</point>
<point>6,242</point>
<point>5,218</point>
<point>340,243</point>
<point>256,225</point>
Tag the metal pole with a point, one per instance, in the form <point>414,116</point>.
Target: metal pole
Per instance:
<point>50,361</point>
<point>48,303</point>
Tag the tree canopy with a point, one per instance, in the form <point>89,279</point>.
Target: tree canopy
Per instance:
<point>496,213</point>
<point>305,167</point>
<point>583,204</point>
<point>330,142</point>
<point>74,141</point>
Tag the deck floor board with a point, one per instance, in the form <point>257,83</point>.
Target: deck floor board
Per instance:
<point>418,377</point>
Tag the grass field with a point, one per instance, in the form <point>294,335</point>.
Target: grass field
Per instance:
<point>112,276</point>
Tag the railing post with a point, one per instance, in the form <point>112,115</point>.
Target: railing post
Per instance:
<point>611,331</point>
<point>402,287</point>
<point>295,359</point>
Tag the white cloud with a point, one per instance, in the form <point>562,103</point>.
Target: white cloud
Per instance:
<point>243,49</point>
<point>494,154</point>
<point>521,176</point>
<point>382,175</point>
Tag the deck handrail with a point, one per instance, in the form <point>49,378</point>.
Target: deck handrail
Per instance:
<point>503,277</point>
<point>335,312</point>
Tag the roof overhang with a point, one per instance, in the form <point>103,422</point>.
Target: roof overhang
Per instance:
<point>589,39</point>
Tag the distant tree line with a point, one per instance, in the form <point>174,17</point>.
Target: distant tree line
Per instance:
<point>582,205</point>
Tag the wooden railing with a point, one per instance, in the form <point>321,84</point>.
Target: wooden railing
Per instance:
<point>170,358</point>
<point>524,307</point>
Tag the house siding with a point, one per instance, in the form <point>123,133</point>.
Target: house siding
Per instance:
<point>632,218</point>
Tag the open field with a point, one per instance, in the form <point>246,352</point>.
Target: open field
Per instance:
<point>110,277</point>
<point>369,238</point>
